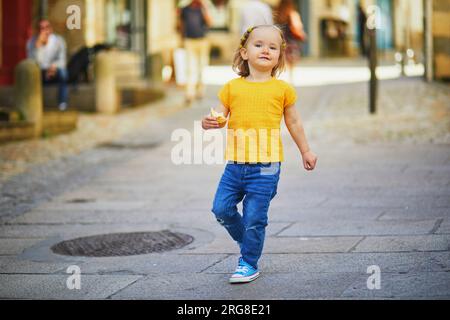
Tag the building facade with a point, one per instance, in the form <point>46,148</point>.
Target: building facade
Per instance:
<point>148,28</point>
<point>145,27</point>
<point>438,44</point>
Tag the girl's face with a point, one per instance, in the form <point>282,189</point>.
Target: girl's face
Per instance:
<point>263,49</point>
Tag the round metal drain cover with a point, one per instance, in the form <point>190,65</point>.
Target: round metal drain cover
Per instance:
<point>123,244</point>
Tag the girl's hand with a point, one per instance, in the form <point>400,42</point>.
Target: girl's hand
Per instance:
<point>209,122</point>
<point>309,160</point>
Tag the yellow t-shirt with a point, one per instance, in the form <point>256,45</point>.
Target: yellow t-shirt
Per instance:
<point>256,110</point>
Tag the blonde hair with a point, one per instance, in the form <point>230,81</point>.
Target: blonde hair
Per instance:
<point>240,66</point>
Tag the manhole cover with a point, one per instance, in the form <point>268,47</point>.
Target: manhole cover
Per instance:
<point>123,244</point>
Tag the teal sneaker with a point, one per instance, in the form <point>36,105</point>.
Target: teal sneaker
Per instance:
<point>244,273</point>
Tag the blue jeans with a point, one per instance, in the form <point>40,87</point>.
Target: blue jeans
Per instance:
<point>60,78</point>
<point>256,184</point>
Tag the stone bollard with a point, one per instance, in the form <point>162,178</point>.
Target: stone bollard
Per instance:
<point>106,94</point>
<point>28,93</point>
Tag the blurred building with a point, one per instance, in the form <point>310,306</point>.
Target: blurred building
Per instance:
<point>143,27</point>
<point>147,28</point>
<point>437,20</point>
<point>333,25</point>
<point>335,29</point>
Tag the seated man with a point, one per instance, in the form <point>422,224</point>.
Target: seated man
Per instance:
<point>49,51</point>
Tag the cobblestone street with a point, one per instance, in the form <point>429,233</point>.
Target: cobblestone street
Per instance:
<point>380,196</point>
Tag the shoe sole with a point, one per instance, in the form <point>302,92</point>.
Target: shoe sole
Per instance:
<point>245,279</point>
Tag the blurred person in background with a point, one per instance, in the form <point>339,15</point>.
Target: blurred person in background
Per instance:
<point>289,19</point>
<point>49,51</point>
<point>362,36</point>
<point>193,23</point>
<point>219,11</point>
<point>255,13</point>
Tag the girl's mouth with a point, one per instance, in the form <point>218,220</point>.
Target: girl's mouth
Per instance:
<point>265,58</point>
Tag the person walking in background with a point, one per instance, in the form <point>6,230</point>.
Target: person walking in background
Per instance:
<point>254,13</point>
<point>362,20</point>
<point>194,21</point>
<point>49,51</point>
<point>291,23</point>
<point>255,103</point>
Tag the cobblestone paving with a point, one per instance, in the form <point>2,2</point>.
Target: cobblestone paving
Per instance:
<point>409,111</point>
<point>93,129</point>
<point>379,197</point>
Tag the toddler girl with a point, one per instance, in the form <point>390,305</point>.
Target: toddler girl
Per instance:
<point>254,105</point>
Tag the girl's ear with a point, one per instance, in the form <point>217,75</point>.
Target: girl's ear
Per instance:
<point>244,54</point>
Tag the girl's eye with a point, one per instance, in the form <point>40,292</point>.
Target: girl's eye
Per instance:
<point>257,45</point>
<point>273,48</point>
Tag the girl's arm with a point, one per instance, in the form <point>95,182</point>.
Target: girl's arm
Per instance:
<point>295,127</point>
<point>209,122</point>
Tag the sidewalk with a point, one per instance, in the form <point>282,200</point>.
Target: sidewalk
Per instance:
<point>379,197</point>
<point>92,129</point>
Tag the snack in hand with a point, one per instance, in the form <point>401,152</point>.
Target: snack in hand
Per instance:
<point>219,117</point>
